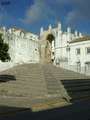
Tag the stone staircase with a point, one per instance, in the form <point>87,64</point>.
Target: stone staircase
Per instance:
<point>51,82</point>
<point>29,81</point>
<point>78,89</point>
<point>72,86</point>
<point>40,83</point>
<point>54,86</point>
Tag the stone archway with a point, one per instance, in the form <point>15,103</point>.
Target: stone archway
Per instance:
<point>50,37</point>
<point>48,48</point>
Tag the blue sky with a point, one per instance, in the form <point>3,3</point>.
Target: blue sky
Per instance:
<point>32,14</point>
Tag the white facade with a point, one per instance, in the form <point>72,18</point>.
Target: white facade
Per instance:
<point>66,45</point>
<point>62,39</point>
<point>23,46</point>
<point>79,53</point>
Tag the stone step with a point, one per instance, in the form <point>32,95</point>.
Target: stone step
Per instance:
<point>76,81</point>
<point>76,85</point>
<point>29,81</point>
<point>79,93</point>
<point>52,84</point>
<point>80,98</point>
<point>83,88</point>
<point>36,80</point>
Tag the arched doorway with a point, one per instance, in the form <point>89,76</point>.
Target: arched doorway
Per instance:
<point>50,37</point>
<point>49,51</point>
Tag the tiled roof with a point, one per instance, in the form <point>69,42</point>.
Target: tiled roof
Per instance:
<point>85,38</point>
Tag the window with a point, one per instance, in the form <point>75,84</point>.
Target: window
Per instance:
<point>88,50</point>
<point>52,53</point>
<point>67,49</point>
<point>78,51</point>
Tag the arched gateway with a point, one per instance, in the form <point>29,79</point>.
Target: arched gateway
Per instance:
<point>46,46</point>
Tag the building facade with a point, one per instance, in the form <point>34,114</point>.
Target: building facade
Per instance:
<point>23,46</point>
<point>67,48</point>
<point>62,39</point>
<point>79,53</point>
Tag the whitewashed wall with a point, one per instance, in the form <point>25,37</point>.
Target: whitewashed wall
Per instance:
<point>83,57</point>
<point>23,47</point>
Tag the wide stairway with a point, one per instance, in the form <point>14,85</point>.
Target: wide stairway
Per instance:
<point>42,83</point>
<point>28,81</point>
<point>76,85</point>
<point>32,80</point>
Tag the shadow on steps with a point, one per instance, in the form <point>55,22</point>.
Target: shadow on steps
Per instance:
<point>77,89</point>
<point>6,78</point>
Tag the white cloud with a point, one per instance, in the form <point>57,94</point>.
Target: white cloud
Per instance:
<point>50,9</point>
<point>35,12</point>
<point>42,10</point>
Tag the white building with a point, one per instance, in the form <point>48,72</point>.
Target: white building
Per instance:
<point>61,39</point>
<point>69,49</point>
<point>23,46</point>
<point>79,53</point>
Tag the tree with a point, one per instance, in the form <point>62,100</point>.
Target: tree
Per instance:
<point>4,47</point>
